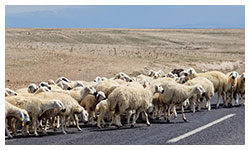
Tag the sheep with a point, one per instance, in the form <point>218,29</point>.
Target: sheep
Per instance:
<point>232,84</point>
<point>25,91</point>
<point>177,71</point>
<point>51,82</point>
<point>136,98</point>
<point>123,76</point>
<point>219,80</point>
<point>72,108</point>
<point>240,89</point>
<point>64,85</point>
<point>9,92</point>
<point>13,111</point>
<point>32,88</point>
<point>207,86</point>
<point>35,107</point>
<point>90,102</point>
<point>62,79</point>
<point>103,108</point>
<point>176,94</point>
<point>44,84</point>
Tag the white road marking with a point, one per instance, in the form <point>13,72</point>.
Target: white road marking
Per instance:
<point>199,129</point>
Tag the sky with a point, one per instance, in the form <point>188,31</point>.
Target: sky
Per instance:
<point>125,16</point>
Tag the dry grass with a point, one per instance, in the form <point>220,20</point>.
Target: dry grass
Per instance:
<point>34,55</point>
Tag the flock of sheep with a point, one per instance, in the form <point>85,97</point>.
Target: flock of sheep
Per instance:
<point>64,102</point>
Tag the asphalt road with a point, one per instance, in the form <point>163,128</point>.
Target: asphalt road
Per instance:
<point>230,131</point>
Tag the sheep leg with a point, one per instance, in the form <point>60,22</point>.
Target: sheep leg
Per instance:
<point>92,119</point>
<point>174,113</point>
<point>58,122</point>
<point>165,113</point>
<point>169,109</point>
<point>192,103</point>
<point>63,125</point>
<point>135,118</point>
<point>200,104</point>
<point>117,121</point>
<point>129,114</point>
<point>146,115</point>
<point>8,132</point>
<point>25,130</point>
<point>100,117</point>
<point>183,114</point>
<point>208,103</point>
<point>12,123</point>
<point>77,122</point>
<point>218,101</point>
<point>34,125</point>
<point>224,99</point>
<point>230,95</point>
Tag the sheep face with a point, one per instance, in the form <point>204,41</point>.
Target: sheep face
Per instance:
<point>159,89</point>
<point>78,84</point>
<point>64,85</point>
<point>32,88</point>
<point>191,72</point>
<point>59,105</point>
<point>232,77</point>
<point>44,84</point>
<point>100,96</point>
<point>85,115</point>
<point>150,73</point>
<point>23,116</point>
<point>242,76</point>
<point>98,79</point>
<point>51,82</point>
<point>62,79</point>
<point>9,92</point>
<point>199,90</point>
<point>90,90</point>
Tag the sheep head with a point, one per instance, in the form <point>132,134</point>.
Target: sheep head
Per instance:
<point>100,96</point>
<point>24,117</point>
<point>199,90</point>
<point>9,92</point>
<point>59,105</point>
<point>232,77</point>
<point>159,89</point>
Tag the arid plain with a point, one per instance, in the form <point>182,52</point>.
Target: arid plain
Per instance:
<point>34,55</point>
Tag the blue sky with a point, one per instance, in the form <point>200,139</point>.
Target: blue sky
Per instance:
<point>125,16</point>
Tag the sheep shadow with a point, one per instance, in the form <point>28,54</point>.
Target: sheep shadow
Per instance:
<point>113,128</point>
<point>40,134</point>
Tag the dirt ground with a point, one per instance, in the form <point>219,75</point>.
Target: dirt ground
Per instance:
<point>35,55</point>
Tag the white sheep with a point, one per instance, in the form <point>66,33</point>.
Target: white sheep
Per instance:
<point>136,98</point>
<point>219,80</point>
<point>175,94</point>
<point>13,111</point>
<point>207,86</point>
<point>71,105</point>
<point>35,107</point>
<point>232,85</point>
<point>240,89</point>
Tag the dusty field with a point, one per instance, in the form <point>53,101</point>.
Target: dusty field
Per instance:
<point>34,55</point>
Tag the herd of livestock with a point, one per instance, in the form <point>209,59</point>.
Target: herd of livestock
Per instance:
<point>61,103</point>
